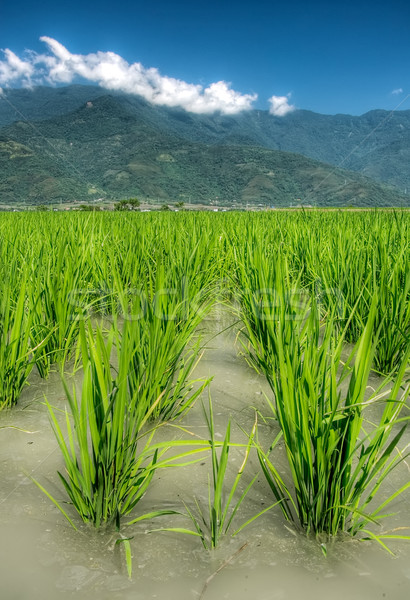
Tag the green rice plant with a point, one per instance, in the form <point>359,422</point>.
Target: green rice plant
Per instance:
<point>16,354</point>
<point>362,259</point>
<point>393,314</point>
<point>164,350</point>
<point>212,523</point>
<point>268,300</point>
<point>161,368</point>
<point>337,461</point>
<point>108,451</point>
<point>55,309</point>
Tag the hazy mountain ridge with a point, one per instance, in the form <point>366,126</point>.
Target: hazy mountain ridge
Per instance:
<point>95,144</point>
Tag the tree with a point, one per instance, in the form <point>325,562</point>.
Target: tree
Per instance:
<point>134,203</point>
<point>130,204</point>
<point>88,207</point>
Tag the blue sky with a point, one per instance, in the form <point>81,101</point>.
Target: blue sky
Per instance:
<point>347,57</point>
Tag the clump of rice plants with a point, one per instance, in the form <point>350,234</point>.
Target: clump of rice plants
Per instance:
<point>164,349</point>
<point>55,313</point>
<point>393,314</point>
<point>16,354</point>
<point>338,461</point>
<point>160,367</point>
<point>108,451</point>
<point>267,297</point>
<point>367,256</point>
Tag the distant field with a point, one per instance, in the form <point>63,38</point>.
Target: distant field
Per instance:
<point>361,253</point>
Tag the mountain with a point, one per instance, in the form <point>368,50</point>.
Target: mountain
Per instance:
<point>40,103</point>
<point>376,144</point>
<point>93,144</point>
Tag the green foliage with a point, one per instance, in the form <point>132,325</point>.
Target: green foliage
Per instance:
<point>336,464</point>
<point>371,143</point>
<point>152,279</point>
<point>381,268</point>
<point>109,458</point>
<point>131,204</point>
<point>88,208</point>
<point>54,311</point>
<point>16,360</point>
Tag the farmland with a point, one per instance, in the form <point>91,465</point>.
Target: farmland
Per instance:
<point>114,335</point>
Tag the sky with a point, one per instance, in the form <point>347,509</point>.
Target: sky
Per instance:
<point>204,56</point>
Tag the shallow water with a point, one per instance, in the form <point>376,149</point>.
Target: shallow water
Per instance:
<point>42,557</point>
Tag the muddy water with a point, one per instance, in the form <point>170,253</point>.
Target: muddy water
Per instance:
<point>42,557</point>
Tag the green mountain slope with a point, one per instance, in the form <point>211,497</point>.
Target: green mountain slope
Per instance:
<point>115,146</point>
<point>40,103</point>
<point>375,144</point>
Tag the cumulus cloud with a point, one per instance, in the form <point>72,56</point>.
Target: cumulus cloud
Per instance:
<point>13,69</point>
<point>111,71</point>
<point>279,105</point>
<point>397,91</point>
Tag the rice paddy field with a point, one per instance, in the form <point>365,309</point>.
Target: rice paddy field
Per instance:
<point>200,405</point>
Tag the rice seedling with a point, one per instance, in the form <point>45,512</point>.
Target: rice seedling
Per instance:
<point>214,521</point>
<point>353,266</point>
<point>393,314</point>
<point>161,368</point>
<point>267,299</point>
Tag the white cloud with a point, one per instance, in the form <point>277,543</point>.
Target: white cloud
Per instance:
<point>13,69</point>
<point>279,105</point>
<point>111,71</point>
<point>397,91</point>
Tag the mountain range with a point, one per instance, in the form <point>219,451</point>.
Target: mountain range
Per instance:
<point>83,143</point>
